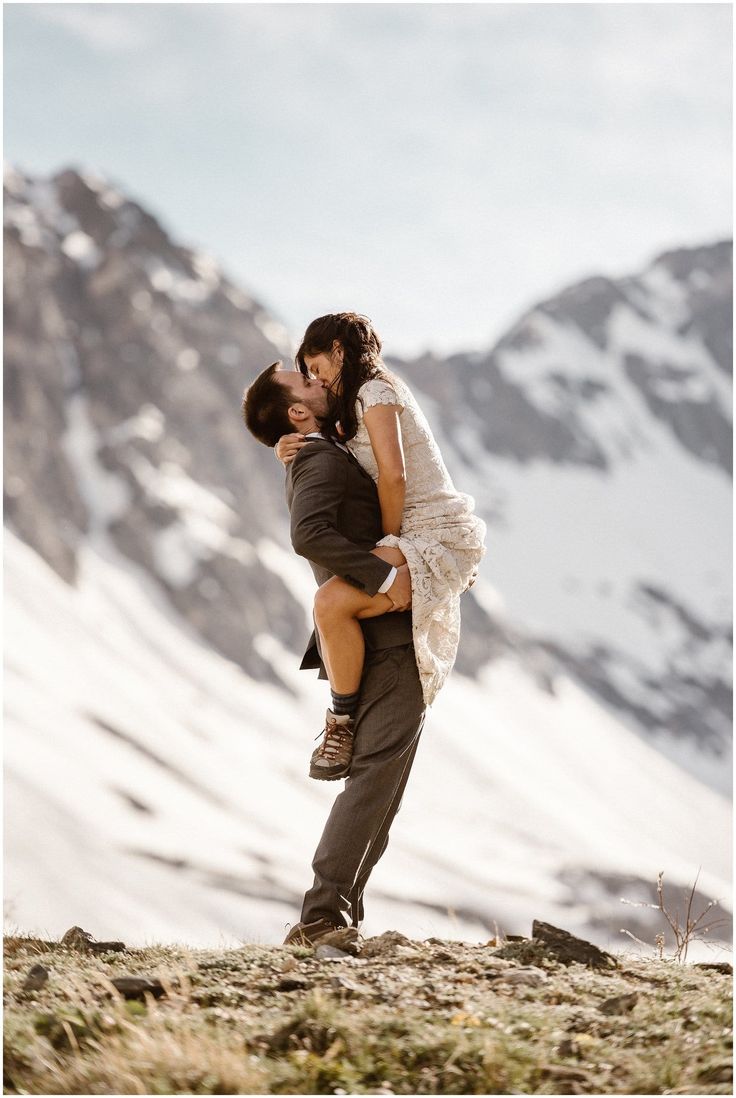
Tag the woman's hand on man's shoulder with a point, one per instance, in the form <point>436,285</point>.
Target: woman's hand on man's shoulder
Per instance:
<point>288,447</point>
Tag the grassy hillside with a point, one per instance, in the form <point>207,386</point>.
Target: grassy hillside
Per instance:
<point>403,1017</point>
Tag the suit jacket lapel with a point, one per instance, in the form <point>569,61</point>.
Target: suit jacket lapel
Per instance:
<point>354,461</point>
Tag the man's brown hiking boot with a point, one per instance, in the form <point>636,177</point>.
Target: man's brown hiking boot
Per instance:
<point>323,932</point>
<point>331,760</point>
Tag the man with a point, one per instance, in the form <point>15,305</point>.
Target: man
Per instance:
<point>335,522</point>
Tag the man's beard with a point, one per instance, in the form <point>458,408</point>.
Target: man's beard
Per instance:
<point>327,415</point>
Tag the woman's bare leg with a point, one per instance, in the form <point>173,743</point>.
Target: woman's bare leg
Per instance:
<point>337,607</point>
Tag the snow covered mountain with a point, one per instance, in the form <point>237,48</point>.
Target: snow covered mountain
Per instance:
<point>597,436</point>
<point>157,728</point>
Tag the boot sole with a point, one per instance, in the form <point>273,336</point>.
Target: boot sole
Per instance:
<point>322,777</point>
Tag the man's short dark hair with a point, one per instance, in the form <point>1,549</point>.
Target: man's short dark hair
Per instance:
<point>266,407</point>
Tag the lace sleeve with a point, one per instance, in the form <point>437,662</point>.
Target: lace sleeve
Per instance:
<point>378,391</point>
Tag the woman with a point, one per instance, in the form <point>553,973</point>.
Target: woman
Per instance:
<point>425,521</point>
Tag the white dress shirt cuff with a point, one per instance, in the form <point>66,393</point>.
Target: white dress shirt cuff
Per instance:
<point>387,582</point>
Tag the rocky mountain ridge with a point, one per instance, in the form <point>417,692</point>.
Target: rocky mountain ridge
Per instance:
<point>623,389</point>
<point>126,357</point>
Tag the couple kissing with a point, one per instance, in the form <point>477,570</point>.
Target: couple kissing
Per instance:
<point>392,546</point>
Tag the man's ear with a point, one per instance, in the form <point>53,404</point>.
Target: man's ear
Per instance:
<point>298,413</point>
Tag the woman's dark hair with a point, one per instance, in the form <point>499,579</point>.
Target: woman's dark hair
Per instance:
<point>361,362</point>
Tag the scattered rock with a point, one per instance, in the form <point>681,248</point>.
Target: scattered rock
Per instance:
<point>76,938</point>
<point>329,953</point>
<point>619,1004</point>
<point>293,983</point>
<point>410,953</point>
<point>531,976</point>
<point>716,966</point>
<point>345,938</point>
<point>135,987</point>
<point>385,943</point>
<point>568,949</point>
<point>36,978</point>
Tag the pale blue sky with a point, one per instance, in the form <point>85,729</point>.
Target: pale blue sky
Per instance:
<point>438,167</point>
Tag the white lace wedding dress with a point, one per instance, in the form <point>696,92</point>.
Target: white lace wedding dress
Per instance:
<point>441,538</point>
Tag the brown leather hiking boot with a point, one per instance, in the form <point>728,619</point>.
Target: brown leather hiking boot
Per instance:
<point>331,760</point>
<point>323,932</point>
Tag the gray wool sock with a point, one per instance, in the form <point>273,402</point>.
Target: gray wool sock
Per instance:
<point>345,705</point>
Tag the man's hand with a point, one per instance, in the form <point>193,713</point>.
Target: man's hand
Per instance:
<point>400,590</point>
<point>288,447</point>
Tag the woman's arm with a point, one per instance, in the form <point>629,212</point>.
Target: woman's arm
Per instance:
<point>384,431</point>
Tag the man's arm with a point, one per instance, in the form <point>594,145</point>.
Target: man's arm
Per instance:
<point>319,484</point>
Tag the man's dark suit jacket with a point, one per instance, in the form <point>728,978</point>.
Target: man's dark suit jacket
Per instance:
<point>335,522</point>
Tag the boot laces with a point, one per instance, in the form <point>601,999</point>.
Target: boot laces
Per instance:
<point>336,736</point>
